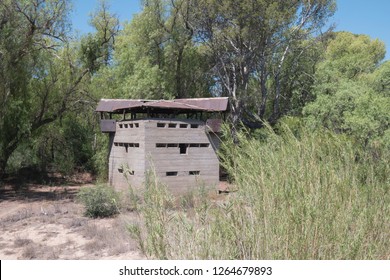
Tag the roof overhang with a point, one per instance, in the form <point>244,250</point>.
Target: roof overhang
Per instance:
<point>215,104</point>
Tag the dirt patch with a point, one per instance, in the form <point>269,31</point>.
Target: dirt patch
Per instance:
<point>46,222</point>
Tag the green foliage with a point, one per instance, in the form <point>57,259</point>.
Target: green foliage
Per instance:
<point>30,33</point>
<point>351,91</point>
<point>262,52</point>
<point>99,201</point>
<point>155,56</point>
<point>157,215</point>
<point>45,105</point>
<point>96,49</point>
<point>100,157</point>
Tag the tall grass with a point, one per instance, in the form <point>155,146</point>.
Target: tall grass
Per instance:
<point>301,195</point>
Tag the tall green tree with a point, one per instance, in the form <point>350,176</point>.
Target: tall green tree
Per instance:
<point>30,35</point>
<point>156,55</point>
<point>351,89</point>
<point>251,42</point>
<point>41,72</point>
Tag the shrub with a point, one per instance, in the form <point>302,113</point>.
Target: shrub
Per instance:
<point>99,201</point>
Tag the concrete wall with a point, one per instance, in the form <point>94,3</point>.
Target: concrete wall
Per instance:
<point>179,151</point>
<point>127,155</point>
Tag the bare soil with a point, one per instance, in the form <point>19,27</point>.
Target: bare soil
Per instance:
<point>45,221</point>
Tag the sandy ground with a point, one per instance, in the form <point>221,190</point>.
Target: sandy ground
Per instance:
<point>46,222</point>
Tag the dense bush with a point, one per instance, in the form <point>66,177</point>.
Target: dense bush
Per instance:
<point>99,201</point>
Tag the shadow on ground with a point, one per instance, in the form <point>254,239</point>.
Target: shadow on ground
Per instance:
<point>35,186</point>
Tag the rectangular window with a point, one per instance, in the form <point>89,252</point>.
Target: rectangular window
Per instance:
<point>172,125</point>
<point>121,125</point>
<point>131,125</point>
<point>183,125</point>
<point>161,145</point>
<point>194,172</point>
<point>126,145</point>
<point>194,145</point>
<point>183,149</point>
<point>204,145</point>
<point>126,125</point>
<point>160,124</point>
<point>194,125</point>
<point>171,173</point>
<point>136,124</point>
<point>172,145</point>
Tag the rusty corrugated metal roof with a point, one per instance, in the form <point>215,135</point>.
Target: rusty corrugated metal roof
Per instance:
<point>216,104</point>
<point>112,105</point>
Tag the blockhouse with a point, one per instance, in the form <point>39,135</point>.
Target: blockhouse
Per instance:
<point>178,139</point>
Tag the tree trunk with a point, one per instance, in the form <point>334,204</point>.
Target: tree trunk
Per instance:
<point>276,109</point>
<point>179,86</point>
<point>264,95</point>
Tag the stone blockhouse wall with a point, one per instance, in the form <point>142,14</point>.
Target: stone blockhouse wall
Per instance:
<point>180,152</point>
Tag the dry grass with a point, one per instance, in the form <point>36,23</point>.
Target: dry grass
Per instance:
<point>30,252</point>
<point>21,242</point>
<point>112,240</point>
<point>21,214</point>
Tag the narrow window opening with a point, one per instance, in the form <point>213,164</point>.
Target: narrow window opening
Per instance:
<point>183,149</point>
<point>194,125</point>
<point>183,125</point>
<point>161,145</point>
<point>171,145</point>
<point>121,126</point>
<point>136,124</point>
<point>172,125</point>
<point>194,145</point>
<point>171,173</point>
<point>136,145</point>
<point>194,172</point>
<point>131,125</point>
<point>126,125</point>
<point>204,145</point>
<point>115,144</point>
<point>160,124</point>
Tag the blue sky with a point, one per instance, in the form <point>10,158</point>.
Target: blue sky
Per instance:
<point>356,16</point>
